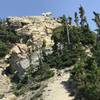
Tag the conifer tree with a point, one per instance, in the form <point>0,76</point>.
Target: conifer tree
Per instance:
<point>97,21</point>
<point>84,24</point>
<point>81,12</point>
<point>66,30</point>
<point>76,18</point>
<point>70,20</point>
<point>97,49</point>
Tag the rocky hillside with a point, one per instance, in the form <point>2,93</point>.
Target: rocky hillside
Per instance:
<point>27,58</point>
<point>38,29</point>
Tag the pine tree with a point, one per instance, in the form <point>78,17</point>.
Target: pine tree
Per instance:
<point>97,21</point>
<point>97,48</point>
<point>66,30</point>
<point>84,24</point>
<point>76,18</point>
<point>70,20</point>
<point>81,12</point>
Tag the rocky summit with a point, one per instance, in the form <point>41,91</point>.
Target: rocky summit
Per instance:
<point>38,29</point>
<point>48,58</point>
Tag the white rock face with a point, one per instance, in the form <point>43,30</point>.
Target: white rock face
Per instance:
<point>40,28</point>
<point>19,58</point>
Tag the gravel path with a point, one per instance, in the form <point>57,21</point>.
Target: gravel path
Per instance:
<point>57,88</point>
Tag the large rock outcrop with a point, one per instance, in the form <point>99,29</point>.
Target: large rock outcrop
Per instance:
<point>38,28</point>
<point>19,58</point>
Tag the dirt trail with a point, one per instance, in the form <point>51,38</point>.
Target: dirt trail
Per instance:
<point>57,88</point>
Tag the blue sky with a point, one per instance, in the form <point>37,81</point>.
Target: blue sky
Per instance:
<point>57,7</point>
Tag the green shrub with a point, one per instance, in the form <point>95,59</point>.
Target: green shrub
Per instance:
<point>43,73</point>
<point>88,38</point>
<point>20,91</point>
<point>3,49</point>
<point>86,76</point>
<point>1,96</point>
<point>34,86</point>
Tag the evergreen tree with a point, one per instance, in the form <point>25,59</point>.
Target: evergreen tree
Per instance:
<point>81,12</point>
<point>97,47</point>
<point>76,18</point>
<point>66,30</point>
<point>59,39</point>
<point>86,76</point>
<point>70,20</point>
<point>97,21</point>
<point>84,24</point>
